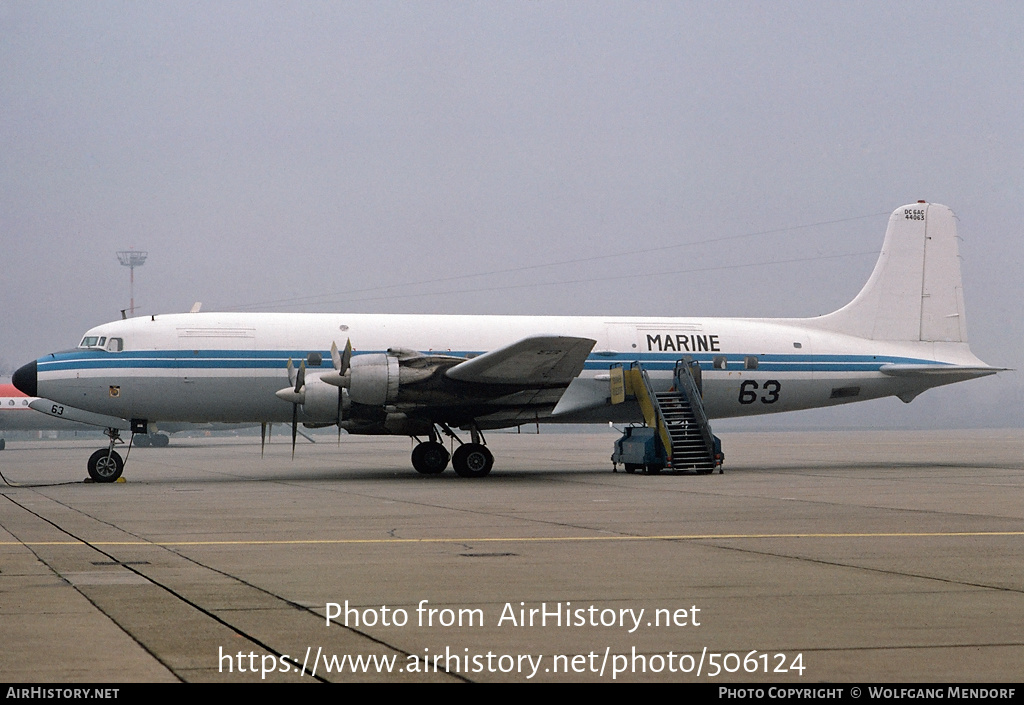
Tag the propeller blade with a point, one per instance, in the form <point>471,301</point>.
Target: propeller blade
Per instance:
<point>342,362</point>
<point>346,357</point>
<point>296,396</point>
<point>295,426</point>
<point>341,406</point>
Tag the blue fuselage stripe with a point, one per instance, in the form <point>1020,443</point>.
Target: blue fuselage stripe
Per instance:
<point>177,360</point>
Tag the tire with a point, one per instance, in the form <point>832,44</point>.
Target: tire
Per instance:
<point>472,460</point>
<point>159,440</point>
<point>3,443</point>
<point>430,458</point>
<point>105,466</point>
<point>142,441</point>
<point>632,468</point>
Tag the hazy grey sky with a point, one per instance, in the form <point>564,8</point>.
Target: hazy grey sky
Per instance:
<point>262,152</point>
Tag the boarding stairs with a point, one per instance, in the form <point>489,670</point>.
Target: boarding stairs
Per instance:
<point>677,415</point>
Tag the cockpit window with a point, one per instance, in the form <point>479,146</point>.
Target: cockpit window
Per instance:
<point>100,342</point>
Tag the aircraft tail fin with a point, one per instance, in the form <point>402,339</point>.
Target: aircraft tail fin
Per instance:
<point>915,292</point>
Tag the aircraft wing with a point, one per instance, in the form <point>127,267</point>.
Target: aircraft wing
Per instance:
<point>534,362</point>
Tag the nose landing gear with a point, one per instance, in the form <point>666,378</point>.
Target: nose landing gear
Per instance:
<point>106,465</point>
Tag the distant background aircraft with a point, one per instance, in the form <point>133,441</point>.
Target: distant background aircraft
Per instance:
<point>17,415</point>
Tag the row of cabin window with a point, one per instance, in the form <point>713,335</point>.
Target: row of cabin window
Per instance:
<point>749,362</point>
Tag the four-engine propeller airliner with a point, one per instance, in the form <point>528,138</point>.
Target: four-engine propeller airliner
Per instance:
<point>423,376</point>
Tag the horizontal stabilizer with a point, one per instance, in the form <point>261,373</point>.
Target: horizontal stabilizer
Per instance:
<point>961,371</point>
<point>538,361</point>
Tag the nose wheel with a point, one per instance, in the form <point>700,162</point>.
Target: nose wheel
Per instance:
<point>105,465</point>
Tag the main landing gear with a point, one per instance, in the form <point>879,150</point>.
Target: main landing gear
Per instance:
<point>430,458</point>
<point>106,465</point>
<point>470,459</point>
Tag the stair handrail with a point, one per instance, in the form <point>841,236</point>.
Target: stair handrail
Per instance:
<point>652,409</point>
<point>685,383</point>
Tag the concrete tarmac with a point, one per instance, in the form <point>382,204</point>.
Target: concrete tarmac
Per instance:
<point>849,556</point>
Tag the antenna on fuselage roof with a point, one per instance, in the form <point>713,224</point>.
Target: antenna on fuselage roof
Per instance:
<point>124,315</point>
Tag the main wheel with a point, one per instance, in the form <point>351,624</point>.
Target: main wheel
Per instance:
<point>159,440</point>
<point>472,460</point>
<point>105,466</point>
<point>142,440</point>
<point>430,458</point>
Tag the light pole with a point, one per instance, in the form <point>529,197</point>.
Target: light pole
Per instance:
<point>132,259</point>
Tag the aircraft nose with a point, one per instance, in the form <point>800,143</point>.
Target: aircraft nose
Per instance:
<point>25,379</point>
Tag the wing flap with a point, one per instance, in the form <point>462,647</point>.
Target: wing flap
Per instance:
<point>537,361</point>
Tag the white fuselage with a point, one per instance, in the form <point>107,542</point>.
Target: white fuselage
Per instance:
<point>227,367</point>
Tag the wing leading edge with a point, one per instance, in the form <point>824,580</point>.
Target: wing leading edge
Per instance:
<point>534,362</point>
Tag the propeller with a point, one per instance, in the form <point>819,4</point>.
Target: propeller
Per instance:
<point>300,382</point>
<point>296,396</point>
<point>296,393</point>
<point>341,361</point>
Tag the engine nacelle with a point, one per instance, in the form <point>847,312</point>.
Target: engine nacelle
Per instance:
<point>374,379</point>
<point>388,424</point>
<point>320,405</point>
